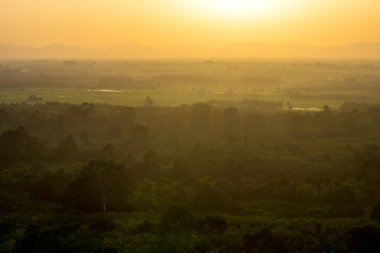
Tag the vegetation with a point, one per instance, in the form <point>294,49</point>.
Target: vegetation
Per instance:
<point>189,156</point>
<point>193,178</point>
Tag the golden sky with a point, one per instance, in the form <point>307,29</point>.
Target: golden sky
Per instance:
<point>93,23</point>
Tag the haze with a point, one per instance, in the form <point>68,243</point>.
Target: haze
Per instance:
<point>188,23</point>
<point>191,126</point>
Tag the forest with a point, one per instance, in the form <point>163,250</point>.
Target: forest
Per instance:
<point>189,126</point>
<point>217,176</point>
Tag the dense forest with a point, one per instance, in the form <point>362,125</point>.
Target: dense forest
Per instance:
<point>189,126</point>
<point>209,177</point>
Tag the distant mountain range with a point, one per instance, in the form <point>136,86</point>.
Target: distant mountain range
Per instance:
<point>237,50</point>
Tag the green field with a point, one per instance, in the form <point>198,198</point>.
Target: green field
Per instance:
<point>162,97</point>
<point>304,84</point>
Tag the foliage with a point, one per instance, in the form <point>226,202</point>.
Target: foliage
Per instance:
<point>188,179</point>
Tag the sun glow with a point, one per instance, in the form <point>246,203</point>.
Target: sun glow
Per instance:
<point>239,8</point>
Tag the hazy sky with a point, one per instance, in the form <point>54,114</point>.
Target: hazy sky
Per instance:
<point>188,22</point>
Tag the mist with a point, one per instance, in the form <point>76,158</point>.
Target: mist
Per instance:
<point>189,126</point>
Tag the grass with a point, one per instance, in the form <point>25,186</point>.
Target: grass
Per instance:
<point>162,97</point>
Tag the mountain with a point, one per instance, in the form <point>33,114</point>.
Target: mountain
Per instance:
<point>54,50</point>
<point>132,50</point>
<point>236,50</point>
<point>283,50</point>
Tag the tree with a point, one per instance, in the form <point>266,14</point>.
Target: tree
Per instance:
<point>364,239</point>
<point>129,116</point>
<point>200,117</point>
<point>114,133</point>
<point>214,224</point>
<point>264,241</point>
<point>149,103</point>
<point>84,138</point>
<point>180,169</point>
<point>369,167</point>
<point>231,123</point>
<point>326,115</point>
<point>177,218</point>
<point>138,133</point>
<point>289,106</point>
<point>51,187</point>
<point>344,196</point>
<point>102,182</point>
<point>326,110</point>
<point>83,110</point>
<point>150,165</point>
<point>375,212</point>
<point>207,198</point>
<point>66,148</point>
<point>18,146</point>
<point>108,153</point>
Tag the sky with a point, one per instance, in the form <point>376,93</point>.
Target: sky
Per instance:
<point>98,23</point>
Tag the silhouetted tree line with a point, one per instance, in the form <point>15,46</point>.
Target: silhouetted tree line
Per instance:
<point>94,178</point>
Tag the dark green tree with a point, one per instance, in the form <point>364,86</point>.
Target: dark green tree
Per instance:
<point>231,123</point>
<point>375,212</point>
<point>18,146</point>
<point>177,218</point>
<point>149,165</point>
<point>363,239</point>
<point>101,185</point>
<point>200,120</point>
<point>66,149</point>
<point>138,134</point>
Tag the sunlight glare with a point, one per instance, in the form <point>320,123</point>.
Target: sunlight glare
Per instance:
<point>239,8</point>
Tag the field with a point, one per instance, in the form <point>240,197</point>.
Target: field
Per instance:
<point>305,85</point>
<point>173,156</point>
